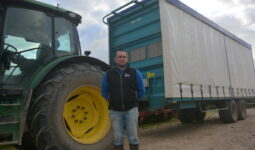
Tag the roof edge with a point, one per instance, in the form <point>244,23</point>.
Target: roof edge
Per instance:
<point>34,4</point>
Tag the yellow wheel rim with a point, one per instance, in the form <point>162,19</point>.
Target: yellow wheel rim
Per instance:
<point>86,115</point>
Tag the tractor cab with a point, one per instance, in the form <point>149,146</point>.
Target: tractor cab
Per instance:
<point>31,37</point>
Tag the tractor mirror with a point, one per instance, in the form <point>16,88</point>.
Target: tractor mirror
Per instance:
<point>87,53</point>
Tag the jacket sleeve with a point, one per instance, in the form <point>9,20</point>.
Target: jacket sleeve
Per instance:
<point>104,91</point>
<point>139,84</point>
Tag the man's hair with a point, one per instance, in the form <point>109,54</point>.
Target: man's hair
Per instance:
<point>120,51</point>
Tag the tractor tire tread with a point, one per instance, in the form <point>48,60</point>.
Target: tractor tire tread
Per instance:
<point>42,96</point>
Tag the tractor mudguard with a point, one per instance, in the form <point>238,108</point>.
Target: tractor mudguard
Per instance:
<point>42,73</point>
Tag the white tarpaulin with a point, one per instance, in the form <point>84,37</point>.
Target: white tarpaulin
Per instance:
<point>198,56</point>
<point>240,66</point>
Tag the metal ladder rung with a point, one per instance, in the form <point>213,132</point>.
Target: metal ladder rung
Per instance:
<point>8,143</point>
<point>8,105</point>
<point>7,123</point>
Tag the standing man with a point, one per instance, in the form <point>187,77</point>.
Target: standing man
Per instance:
<point>123,86</point>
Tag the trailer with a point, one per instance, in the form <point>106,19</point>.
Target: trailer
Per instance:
<point>189,63</point>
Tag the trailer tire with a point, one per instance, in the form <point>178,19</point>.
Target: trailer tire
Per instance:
<point>229,115</point>
<point>199,115</point>
<point>242,109</point>
<point>185,115</point>
<point>66,102</point>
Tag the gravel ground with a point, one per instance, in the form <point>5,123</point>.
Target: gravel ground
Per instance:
<point>212,134</point>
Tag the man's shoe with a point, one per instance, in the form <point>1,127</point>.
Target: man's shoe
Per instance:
<point>118,147</point>
<point>134,147</point>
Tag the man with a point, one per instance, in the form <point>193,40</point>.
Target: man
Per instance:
<point>123,86</point>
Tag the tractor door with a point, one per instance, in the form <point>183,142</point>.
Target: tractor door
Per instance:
<point>26,44</point>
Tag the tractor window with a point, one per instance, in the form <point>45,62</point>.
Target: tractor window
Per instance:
<point>27,41</point>
<point>64,35</point>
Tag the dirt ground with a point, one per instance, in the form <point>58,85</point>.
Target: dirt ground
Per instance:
<point>212,134</point>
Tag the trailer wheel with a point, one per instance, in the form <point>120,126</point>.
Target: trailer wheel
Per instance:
<point>229,115</point>
<point>185,115</point>
<point>68,111</point>
<point>242,109</point>
<point>199,115</point>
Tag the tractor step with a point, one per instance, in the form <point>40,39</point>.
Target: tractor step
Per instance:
<point>9,132</point>
<point>8,105</point>
<point>4,92</point>
<point>11,106</point>
<point>8,123</point>
<point>10,112</point>
<point>8,143</point>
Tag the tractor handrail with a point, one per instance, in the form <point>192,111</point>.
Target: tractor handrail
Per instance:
<point>115,12</point>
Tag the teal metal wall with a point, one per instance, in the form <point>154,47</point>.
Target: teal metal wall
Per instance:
<point>136,27</point>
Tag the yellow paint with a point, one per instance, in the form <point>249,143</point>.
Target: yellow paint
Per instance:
<point>150,75</point>
<point>86,115</point>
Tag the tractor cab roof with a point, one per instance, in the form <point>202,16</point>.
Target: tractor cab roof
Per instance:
<point>33,4</point>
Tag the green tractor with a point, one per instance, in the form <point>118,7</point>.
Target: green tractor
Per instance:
<point>50,95</point>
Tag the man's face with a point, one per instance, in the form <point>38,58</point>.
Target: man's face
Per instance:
<point>121,58</point>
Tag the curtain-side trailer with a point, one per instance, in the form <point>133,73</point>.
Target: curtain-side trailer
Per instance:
<point>188,62</point>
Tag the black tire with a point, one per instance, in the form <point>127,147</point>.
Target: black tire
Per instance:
<point>242,109</point>
<point>191,115</point>
<point>199,115</point>
<point>45,120</point>
<point>229,115</point>
<point>185,115</point>
<point>27,142</point>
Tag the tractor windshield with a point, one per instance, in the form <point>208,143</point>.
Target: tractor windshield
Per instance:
<point>26,45</point>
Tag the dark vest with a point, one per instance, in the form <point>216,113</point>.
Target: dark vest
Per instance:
<point>122,89</point>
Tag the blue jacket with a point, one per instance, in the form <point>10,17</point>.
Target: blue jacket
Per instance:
<point>139,84</point>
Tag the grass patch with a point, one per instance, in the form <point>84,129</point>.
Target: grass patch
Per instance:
<point>7,147</point>
<point>211,113</point>
<point>158,123</point>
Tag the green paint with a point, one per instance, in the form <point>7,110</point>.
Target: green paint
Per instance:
<point>11,113</point>
<point>40,74</point>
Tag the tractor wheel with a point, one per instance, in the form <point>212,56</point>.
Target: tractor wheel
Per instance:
<point>68,111</point>
<point>229,115</point>
<point>27,143</point>
<point>242,109</point>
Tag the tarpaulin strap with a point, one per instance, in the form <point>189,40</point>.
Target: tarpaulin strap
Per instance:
<point>180,89</point>
<point>201,89</point>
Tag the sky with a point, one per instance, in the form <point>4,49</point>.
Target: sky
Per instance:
<point>237,16</point>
